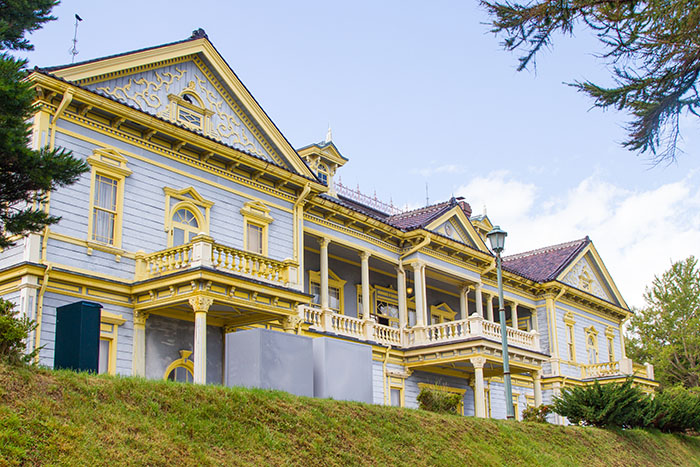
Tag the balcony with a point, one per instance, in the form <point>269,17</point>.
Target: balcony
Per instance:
<point>204,252</point>
<point>623,367</point>
<point>434,334</point>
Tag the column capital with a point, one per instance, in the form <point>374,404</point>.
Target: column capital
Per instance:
<point>140,317</point>
<point>478,362</point>
<point>290,323</point>
<point>536,375</point>
<point>364,255</point>
<point>201,303</point>
<point>323,241</point>
<point>417,265</point>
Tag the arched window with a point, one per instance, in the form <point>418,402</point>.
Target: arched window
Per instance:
<point>185,226</point>
<point>592,345</point>
<point>181,370</point>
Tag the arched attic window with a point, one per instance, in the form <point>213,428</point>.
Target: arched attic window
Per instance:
<point>323,172</point>
<point>188,109</point>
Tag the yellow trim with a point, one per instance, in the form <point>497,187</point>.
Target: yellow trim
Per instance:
<point>398,384</point>
<point>443,312</point>
<point>108,163</point>
<point>592,334</point>
<point>257,214</point>
<point>610,336</point>
<point>181,362</point>
<point>109,327</point>
<point>570,336</point>
<point>191,200</point>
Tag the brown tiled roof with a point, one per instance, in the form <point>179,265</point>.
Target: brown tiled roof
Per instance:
<point>420,217</point>
<point>544,264</point>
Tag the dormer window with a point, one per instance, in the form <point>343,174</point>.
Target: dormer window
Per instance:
<point>323,173</point>
<point>188,110</point>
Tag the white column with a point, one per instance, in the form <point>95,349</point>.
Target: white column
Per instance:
<point>463,302</point>
<point>479,300</point>
<point>419,282</point>
<point>364,256</point>
<point>401,292</point>
<point>537,380</point>
<point>323,243</point>
<point>514,315</point>
<point>200,305</point>
<point>138,359</point>
<point>479,396</point>
<point>489,308</point>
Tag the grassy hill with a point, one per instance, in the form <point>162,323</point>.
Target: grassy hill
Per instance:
<point>49,417</point>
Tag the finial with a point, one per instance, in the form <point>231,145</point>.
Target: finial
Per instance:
<point>484,210</point>
<point>329,134</point>
<point>199,34</point>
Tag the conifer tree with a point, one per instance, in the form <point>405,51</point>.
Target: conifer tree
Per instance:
<point>26,175</point>
<point>651,46</point>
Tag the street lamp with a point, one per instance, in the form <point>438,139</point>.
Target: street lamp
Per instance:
<point>497,237</point>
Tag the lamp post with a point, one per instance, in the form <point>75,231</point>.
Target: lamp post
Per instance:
<point>497,238</point>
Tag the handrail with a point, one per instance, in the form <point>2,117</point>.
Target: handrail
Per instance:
<point>245,262</point>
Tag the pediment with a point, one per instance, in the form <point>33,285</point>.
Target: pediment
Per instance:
<point>455,225</point>
<point>189,84</point>
<point>588,273</point>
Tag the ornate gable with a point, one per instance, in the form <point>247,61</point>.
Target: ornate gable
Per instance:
<point>189,84</point>
<point>455,225</point>
<point>588,273</point>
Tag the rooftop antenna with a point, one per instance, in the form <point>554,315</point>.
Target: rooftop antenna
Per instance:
<point>74,50</point>
<point>427,199</point>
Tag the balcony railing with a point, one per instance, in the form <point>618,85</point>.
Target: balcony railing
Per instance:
<point>451,331</point>
<point>204,252</point>
<point>623,367</point>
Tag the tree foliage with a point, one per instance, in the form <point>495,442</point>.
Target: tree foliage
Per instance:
<point>14,331</point>
<point>26,175</point>
<point>438,400</point>
<point>667,331</point>
<point>651,46</point>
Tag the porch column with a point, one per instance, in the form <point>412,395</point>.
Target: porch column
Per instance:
<point>514,315</point>
<point>419,280</point>
<point>364,256</point>
<point>401,292</point>
<point>138,359</point>
<point>463,302</point>
<point>200,305</point>
<point>323,243</point>
<point>537,380</point>
<point>489,308</point>
<point>479,396</point>
<point>479,300</point>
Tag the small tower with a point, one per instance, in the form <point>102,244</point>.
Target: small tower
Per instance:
<point>324,159</point>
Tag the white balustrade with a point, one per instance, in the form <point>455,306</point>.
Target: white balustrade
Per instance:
<point>170,260</point>
<point>312,316</point>
<point>599,370</point>
<point>346,326</point>
<point>387,335</point>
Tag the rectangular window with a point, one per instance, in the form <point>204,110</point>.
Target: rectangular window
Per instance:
<point>254,238</point>
<point>396,397</point>
<point>570,342</point>
<point>333,296</point>
<point>611,350</point>
<point>104,209</point>
<point>104,353</point>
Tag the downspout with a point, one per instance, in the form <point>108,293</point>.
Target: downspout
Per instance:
<point>67,98</point>
<point>299,249</point>
<point>40,310</point>
<point>384,375</point>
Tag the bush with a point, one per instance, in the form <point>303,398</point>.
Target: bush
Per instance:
<point>614,404</point>
<point>537,414</point>
<point>675,409</point>
<point>14,331</point>
<point>437,400</point>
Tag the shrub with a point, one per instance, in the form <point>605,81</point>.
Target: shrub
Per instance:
<point>437,400</point>
<point>14,331</point>
<point>537,414</point>
<point>614,404</point>
<point>675,409</point>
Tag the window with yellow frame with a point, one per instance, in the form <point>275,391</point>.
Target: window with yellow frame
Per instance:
<point>610,336</point>
<point>570,337</point>
<point>516,406</point>
<point>592,345</point>
<point>182,369</point>
<point>439,387</point>
<point>335,290</point>
<point>109,172</point>
<point>384,304</point>
<point>109,331</point>
<point>441,313</point>
<point>186,215</point>
<point>256,221</point>
<point>396,391</point>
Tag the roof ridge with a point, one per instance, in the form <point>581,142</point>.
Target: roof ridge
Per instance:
<point>439,205</point>
<point>547,249</point>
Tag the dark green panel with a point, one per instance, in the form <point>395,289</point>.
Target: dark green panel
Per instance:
<point>78,336</point>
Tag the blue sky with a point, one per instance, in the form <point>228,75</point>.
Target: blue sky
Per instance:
<point>421,92</point>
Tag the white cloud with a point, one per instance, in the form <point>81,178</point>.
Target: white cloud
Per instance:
<point>638,233</point>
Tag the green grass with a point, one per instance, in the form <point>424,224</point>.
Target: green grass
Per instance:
<point>59,417</point>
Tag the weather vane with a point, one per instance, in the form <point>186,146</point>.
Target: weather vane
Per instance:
<point>74,50</point>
